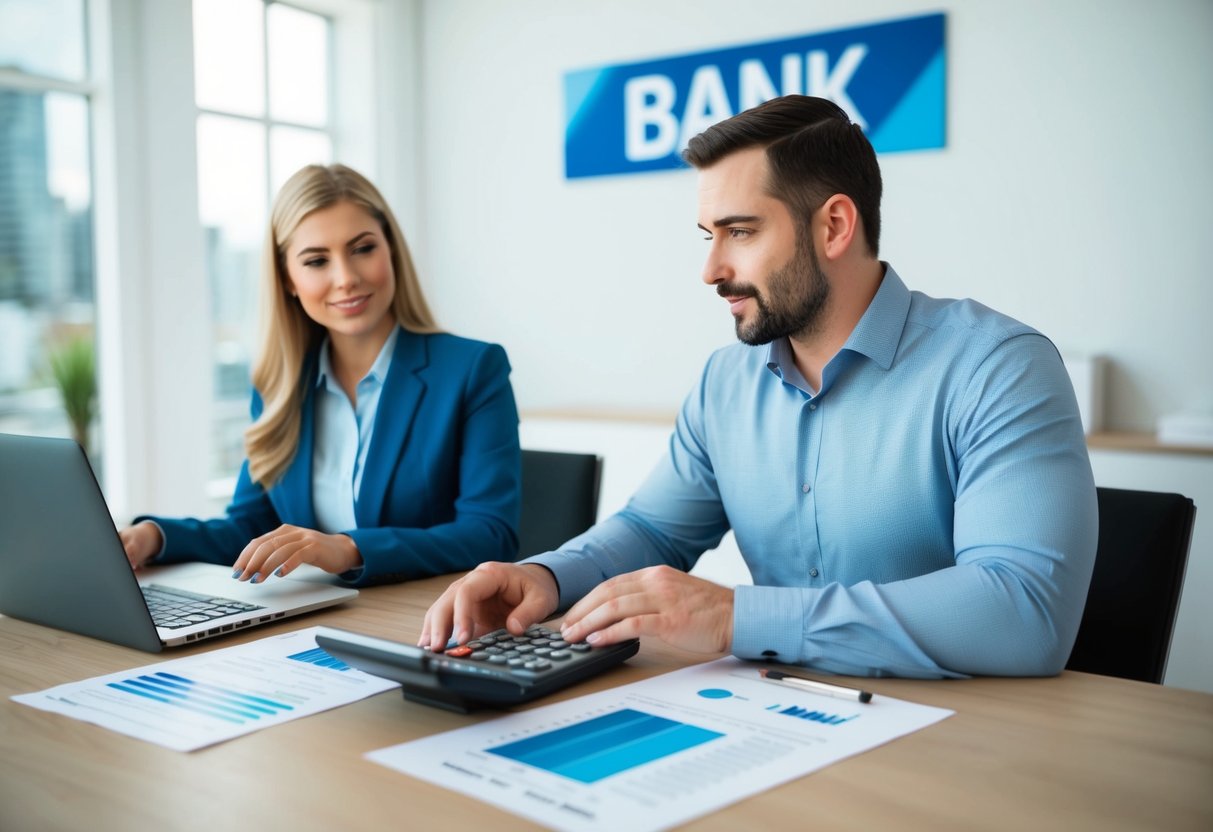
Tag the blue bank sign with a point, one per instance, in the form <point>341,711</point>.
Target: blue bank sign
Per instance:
<point>632,118</point>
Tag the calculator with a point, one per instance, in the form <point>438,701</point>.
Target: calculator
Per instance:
<point>495,670</point>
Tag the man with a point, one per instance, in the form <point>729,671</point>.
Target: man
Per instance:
<point>906,477</point>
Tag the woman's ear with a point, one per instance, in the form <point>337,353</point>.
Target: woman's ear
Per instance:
<point>837,223</point>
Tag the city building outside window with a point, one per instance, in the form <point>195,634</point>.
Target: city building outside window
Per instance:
<point>47,307</point>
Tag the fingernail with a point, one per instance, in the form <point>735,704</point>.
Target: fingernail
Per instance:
<point>237,573</point>
<point>593,638</point>
<point>278,571</point>
<point>256,577</point>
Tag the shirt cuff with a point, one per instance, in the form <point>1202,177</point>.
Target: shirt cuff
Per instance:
<point>768,622</point>
<point>575,575</point>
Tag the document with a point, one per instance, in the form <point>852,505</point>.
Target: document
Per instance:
<point>655,753</point>
<point>190,703</point>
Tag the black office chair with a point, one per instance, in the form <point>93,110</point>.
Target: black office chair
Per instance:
<point>559,498</point>
<point>1126,626</point>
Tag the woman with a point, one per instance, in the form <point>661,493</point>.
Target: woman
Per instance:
<point>381,449</point>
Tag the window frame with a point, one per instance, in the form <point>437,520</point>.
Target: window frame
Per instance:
<point>24,81</point>
<point>219,486</point>
<point>155,349</point>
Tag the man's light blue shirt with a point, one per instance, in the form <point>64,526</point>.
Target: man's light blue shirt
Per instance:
<point>343,438</point>
<point>930,512</point>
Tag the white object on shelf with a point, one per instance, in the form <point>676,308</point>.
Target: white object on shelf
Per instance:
<point>1186,429</point>
<point>1087,376</point>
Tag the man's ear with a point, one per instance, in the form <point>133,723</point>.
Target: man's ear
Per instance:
<point>838,228</point>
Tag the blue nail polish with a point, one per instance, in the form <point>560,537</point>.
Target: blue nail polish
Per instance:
<point>256,577</point>
<point>278,571</point>
<point>237,573</point>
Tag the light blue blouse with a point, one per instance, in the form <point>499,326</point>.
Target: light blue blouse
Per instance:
<point>343,438</point>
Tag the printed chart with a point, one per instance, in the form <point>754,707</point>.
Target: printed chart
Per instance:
<point>193,702</point>
<point>606,745</point>
<point>655,753</point>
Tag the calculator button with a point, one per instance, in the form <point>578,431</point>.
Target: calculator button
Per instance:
<point>515,662</point>
<point>580,647</point>
<point>542,651</point>
<point>479,655</point>
<point>559,645</point>
<point>459,652</point>
<point>540,642</point>
<point>498,659</point>
<point>560,655</point>
<point>524,648</point>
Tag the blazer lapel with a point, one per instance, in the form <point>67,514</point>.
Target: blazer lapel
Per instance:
<point>399,400</point>
<point>296,483</point>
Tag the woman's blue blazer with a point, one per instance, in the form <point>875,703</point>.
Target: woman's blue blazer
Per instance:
<point>440,492</point>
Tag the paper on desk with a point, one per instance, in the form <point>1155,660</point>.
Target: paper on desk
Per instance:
<point>656,753</point>
<point>192,702</point>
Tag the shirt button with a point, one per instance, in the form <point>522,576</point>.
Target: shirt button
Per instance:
<point>813,573</point>
<point>805,488</point>
<point>812,407</point>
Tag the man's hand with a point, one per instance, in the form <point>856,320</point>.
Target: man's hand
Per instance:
<point>490,596</point>
<point>141,541</point>
<point>286,547</point>
<point>687,612</point>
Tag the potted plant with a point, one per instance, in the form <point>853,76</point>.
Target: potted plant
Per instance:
<point>74,368</point>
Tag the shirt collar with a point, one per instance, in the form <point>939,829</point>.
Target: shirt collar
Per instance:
<point>378,371</point>
<point>879,330</point>
<point>876,335</point>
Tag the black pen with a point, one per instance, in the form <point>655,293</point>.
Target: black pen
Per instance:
<point>788,680</point>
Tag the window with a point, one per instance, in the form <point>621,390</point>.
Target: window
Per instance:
<point>262,78</point>
<point>46,216</point>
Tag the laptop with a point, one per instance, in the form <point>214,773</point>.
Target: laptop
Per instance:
<point>62,563</point>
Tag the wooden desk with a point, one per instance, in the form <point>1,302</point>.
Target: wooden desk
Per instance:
<point>1072,752</point>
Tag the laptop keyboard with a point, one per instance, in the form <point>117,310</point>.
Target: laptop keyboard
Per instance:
<point>173,608</point>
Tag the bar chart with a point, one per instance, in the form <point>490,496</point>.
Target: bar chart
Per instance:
<point>199,697</point>
<point>652,754</point>
<point>319,658</point>
<point>195,701</point>
<point>607,745</point>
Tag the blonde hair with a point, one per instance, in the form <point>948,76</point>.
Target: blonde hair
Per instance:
<point>288,335</point>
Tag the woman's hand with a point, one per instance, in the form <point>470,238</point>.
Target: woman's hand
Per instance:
<point>141,541</point>
<point>286,547</point>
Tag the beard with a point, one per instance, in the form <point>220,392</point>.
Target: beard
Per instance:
<point>792,305</point>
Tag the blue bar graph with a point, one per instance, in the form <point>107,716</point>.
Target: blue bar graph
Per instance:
<point>816,716</point>
<point>199,697</point>
<point>604,746</point>
<point>320,658</point>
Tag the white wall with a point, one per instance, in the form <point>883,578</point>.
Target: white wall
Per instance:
<point>1073,193</point>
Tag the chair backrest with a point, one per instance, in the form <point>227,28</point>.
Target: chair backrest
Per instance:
<point>1126,626</point>
<point>559,498</point>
